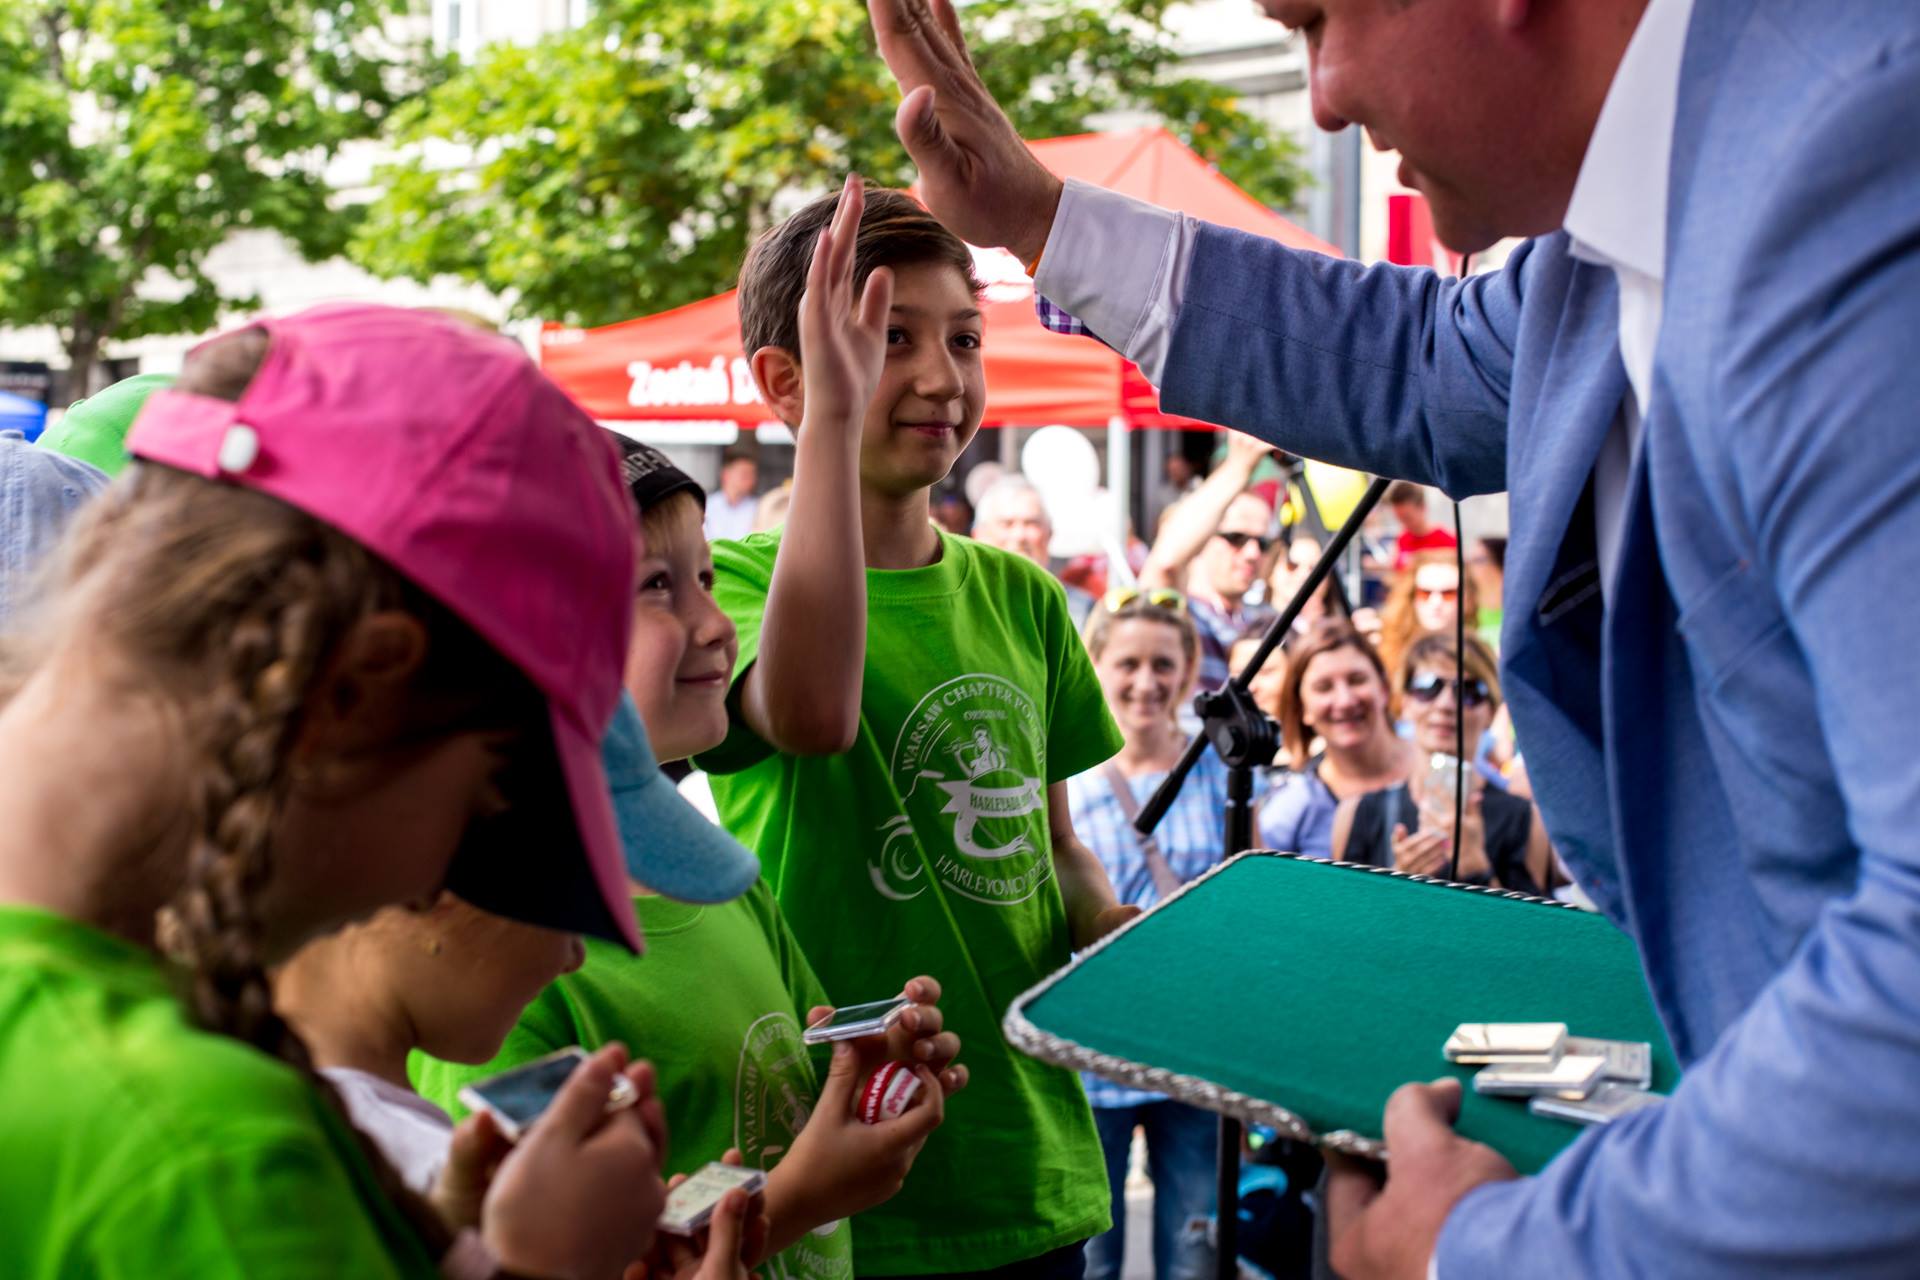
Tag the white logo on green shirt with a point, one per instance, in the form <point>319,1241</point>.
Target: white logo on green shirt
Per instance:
<point>977,740</point>
<point>772,1100</point>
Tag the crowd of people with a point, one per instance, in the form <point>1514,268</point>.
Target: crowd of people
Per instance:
<point>355,813</point>
<point>335,714</point>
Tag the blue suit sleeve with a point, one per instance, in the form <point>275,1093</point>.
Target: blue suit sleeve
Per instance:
<point>1394,370</point>
<point>1793,1148</point>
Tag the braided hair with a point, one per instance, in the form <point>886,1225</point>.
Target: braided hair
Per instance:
<point>232,604</point>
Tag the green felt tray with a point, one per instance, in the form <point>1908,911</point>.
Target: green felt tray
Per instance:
<point>1299,993</point>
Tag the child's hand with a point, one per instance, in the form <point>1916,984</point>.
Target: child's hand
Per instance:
<point>736,1234</point>
<point>839,1165</point>
<point>579,1195</point>
<point>842,348</point>
<point>915,1038</point>
<point>473,1158</point>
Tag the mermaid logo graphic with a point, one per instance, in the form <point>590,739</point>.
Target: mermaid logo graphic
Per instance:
<point>969,758</point>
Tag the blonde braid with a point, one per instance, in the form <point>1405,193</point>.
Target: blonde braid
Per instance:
<point>271,659</point>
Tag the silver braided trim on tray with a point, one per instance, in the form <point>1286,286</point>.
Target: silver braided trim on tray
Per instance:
<point>1203,1093</point>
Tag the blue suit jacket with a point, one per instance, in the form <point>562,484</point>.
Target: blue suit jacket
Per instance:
<point>1728,753</point>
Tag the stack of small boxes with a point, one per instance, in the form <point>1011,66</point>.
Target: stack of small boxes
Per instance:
<point>1573,1078</point>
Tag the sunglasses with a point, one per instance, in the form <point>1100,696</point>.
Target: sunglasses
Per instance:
<point>1425,688</point>
<point>1160,597</point>
<point>1437,593</point>
<point>1239,540</point>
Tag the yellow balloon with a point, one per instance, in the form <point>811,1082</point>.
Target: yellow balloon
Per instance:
<point>1336,490</point>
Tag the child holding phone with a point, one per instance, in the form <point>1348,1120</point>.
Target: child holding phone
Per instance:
<point>451,980</point>
<point>724,991</point>
<point>908,708</point>
<point>291,621</point>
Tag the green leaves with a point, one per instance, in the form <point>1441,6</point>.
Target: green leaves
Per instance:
<point>624,168</point>
<point>603,173</point>
<point>137,135</point>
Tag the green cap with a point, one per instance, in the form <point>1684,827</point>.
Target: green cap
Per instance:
<point>95,429</point>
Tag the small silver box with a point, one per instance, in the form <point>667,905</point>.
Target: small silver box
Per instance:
<point>1479,1043</point>
<point>1605,1104</point>
<point>1574,1074</point>
<point>1629,1062</point>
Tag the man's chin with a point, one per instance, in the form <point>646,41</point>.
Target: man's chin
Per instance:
<point>1463,229</point>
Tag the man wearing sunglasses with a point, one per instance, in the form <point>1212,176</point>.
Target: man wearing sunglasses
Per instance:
<point>1212,546</point>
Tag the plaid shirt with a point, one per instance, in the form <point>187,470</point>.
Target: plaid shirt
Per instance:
<point>1192,837</point>
<point>1052,317</point>
<point>1218,630</point>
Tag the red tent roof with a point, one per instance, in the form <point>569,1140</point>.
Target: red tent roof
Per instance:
<point>687,364</point>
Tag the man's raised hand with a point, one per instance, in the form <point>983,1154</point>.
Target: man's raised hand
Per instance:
<point>976,175</point>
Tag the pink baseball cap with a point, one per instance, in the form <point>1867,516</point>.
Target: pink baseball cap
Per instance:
<point>445,451</point>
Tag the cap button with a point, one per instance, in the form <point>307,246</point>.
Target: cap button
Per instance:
<point>239,449</point>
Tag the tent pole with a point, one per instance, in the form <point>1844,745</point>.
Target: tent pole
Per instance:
<point>1119,480</point>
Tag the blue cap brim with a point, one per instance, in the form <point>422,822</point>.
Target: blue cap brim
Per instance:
<point>671,848</point>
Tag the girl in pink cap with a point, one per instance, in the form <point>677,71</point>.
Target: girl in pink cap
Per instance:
<point>331,646</point>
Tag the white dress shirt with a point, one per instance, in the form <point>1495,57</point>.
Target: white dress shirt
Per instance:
<point>1120,264</point>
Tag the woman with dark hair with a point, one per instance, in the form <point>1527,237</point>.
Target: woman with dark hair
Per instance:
<point>1409,826</point>
<point>1336,693</point>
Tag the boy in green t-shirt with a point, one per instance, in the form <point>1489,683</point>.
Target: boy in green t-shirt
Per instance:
<point>721,995</point>
<point>908,708</point>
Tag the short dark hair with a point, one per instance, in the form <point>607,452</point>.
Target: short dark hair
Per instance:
<point>1405,491</point>
<point>895,231</point>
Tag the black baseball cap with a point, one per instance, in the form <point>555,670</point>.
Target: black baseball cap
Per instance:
<point>651,475</point>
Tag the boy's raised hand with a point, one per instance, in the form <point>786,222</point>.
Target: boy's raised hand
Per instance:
<point>842,345</point>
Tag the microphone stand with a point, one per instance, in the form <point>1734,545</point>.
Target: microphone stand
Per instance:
<point>1246,740</point>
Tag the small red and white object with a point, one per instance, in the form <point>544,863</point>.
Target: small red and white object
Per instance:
<point>888,1092</point>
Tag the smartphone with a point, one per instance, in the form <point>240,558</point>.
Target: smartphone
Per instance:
<point>1441,789</point>
<point>853,1021</point>
<point>516,1098</point>
<point>690,1205</point>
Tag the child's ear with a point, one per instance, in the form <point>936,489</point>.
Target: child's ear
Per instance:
<point>776,371</point>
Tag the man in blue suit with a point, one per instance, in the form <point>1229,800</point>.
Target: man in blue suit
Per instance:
<point>1700,381</point>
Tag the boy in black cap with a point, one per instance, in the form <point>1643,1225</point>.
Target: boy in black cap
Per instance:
<point>721,996</point>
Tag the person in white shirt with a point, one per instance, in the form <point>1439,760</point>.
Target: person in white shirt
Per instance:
<point>730,511</point>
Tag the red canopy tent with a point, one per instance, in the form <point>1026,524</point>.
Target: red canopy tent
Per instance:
<point>687,364</point>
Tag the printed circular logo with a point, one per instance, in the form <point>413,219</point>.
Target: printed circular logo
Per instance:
<point>773,1096</point>
<point>968,765</point>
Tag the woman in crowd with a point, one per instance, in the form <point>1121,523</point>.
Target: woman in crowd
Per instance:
<point>1487,566</point>
<point>1336,693</point>
<point>1426,597</point>
<point>316,707</point>
<point>1269,681</point>
<point>1146,653</point>
<point>1409,826</point>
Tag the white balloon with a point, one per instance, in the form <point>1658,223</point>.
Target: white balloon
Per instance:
<point>1062,463</point>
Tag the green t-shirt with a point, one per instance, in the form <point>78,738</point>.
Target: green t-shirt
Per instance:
<point>133,1144</point>
<point>925,849</point>
<point>717,1004</point>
